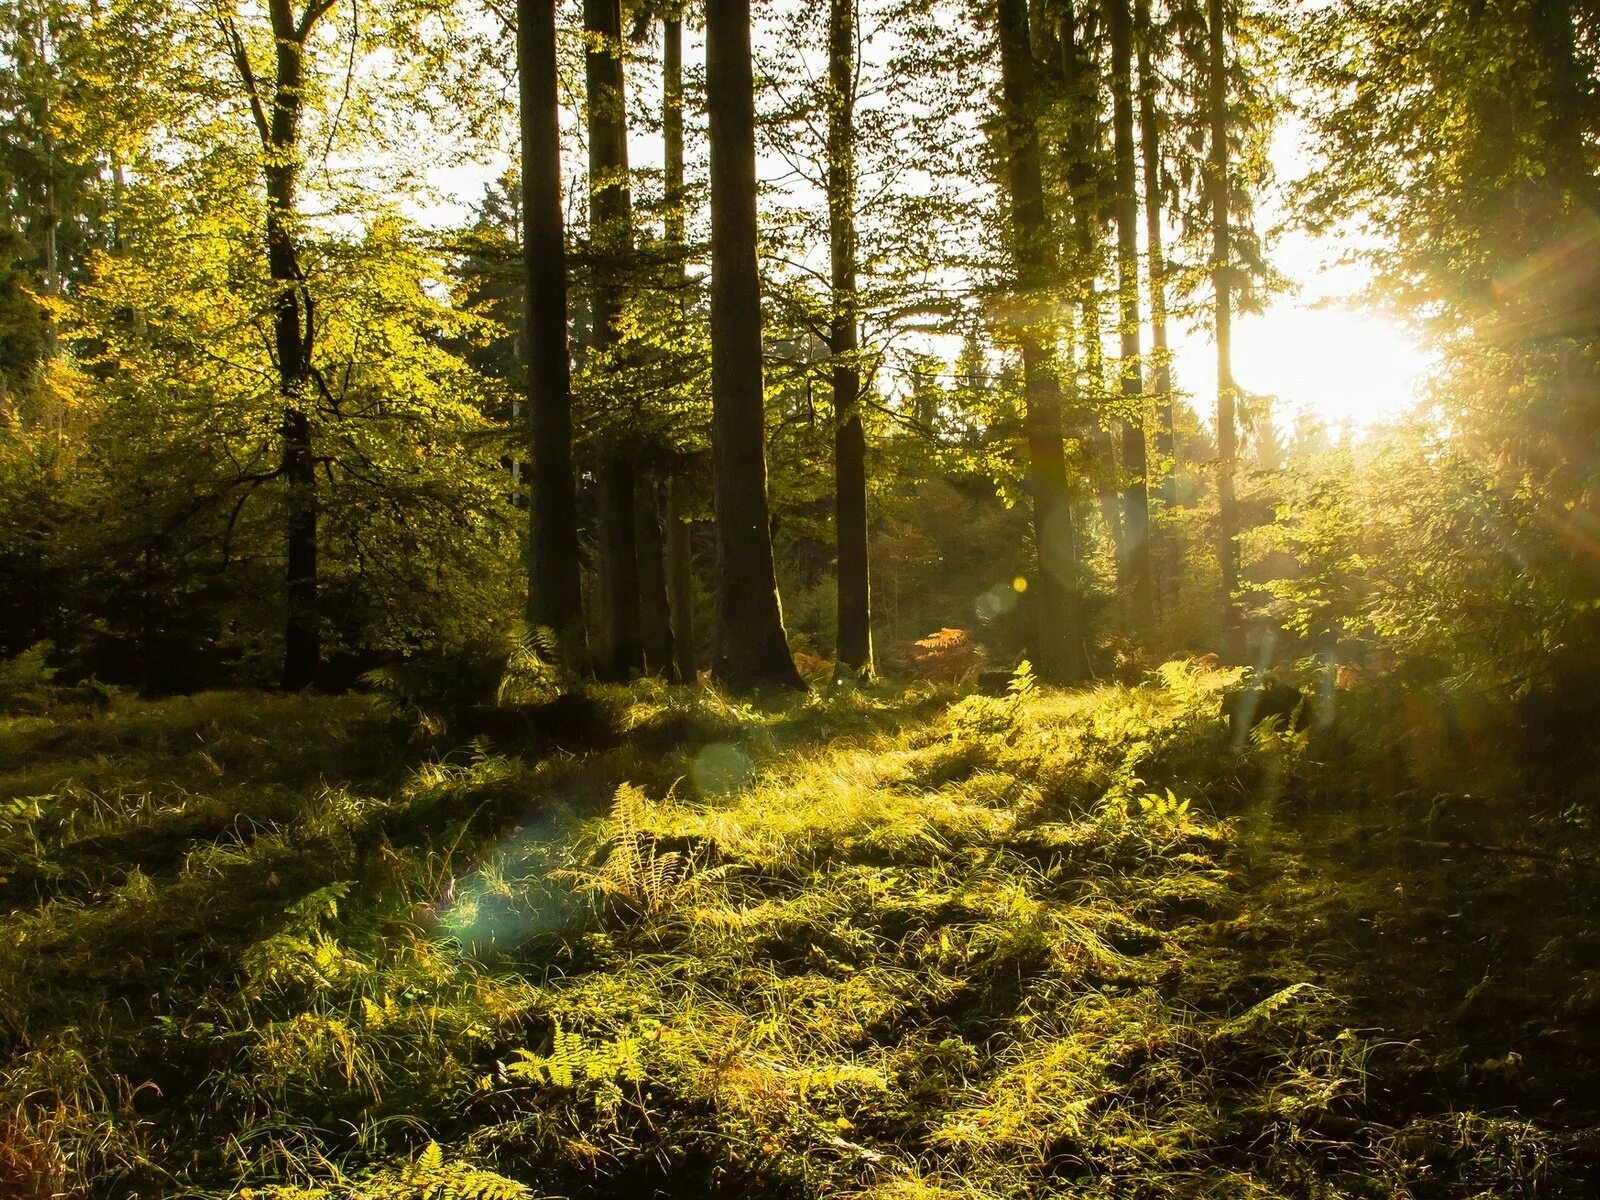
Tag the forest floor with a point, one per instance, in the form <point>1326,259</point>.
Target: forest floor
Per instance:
<point>887,942</point>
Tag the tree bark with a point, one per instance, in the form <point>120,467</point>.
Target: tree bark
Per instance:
<point>622,652</point>
<point>1160,353</point>
<point>655,613</point>
<point>611,236</point>
<point>751,646</point>
<point>292,333</point>
<point>1222,283</point>
<point>680,583</point>
<point>555,590</point>
<point>679,557</point>
<point>1060,647</point>
<point>854,647</point>
<point>1083,177</point>
<point>674,224</point>
<point>1136,502</point>
<point>1166,466</point>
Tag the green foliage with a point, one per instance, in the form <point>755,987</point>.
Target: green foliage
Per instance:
<point>917,950</point>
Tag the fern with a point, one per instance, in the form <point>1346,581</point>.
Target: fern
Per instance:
<point>531,675</point>
<point>430,1176</point>
<point>1167,809</point>
<point>636,872</point>
<point>572,1059</point>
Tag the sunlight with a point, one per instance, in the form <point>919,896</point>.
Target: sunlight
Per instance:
<point>1347,367</point>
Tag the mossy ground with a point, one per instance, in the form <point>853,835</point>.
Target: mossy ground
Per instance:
<point>873,942</point>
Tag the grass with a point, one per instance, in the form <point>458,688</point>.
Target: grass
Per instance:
<point>874,942</point>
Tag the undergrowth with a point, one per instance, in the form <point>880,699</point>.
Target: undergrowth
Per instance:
<point>872,942</point>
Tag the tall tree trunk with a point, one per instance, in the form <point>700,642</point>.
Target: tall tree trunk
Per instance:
<point>621,654</point>
<point>849,440</point>
<point>1166,467</point>
<point>555,588</point>
<point>611,234</point>
<point>1136,506</point>
<point>655,613</point>
<point>680,563</point>
<point>1083,177</point>
<point>1060,647</point>
<point>292,331</point>
<point>1160,353</point>
<point>674,223</point>
<point>680,583</point>
<point>751,646</point>
<point>1222,283</point>
<point>1102,454</point>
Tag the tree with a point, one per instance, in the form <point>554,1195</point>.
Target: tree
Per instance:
<point>1150,147</point>
<point>1136,506</point>
<point>1060,649</point>
<point>751,645</point>
<point>850,445</point>
<point>278,113</point>
<point>611,243</point>
<point>679,561</point>
<point>555,597</point>
<point>1219,186</point>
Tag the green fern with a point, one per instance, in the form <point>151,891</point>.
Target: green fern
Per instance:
<point>636,872</point>
<point>1167,809</point>
<point>431,1176</point>
<point>531,674</point>
<point>573,1059</point>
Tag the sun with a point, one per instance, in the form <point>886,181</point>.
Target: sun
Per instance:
<point>1349,367</point>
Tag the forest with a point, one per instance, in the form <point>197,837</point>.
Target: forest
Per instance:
<point>890,599</point>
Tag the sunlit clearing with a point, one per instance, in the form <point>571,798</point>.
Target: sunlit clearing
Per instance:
<point>1346,367</point>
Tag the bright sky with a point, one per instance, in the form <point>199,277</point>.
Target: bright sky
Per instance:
<point>1315,349</point>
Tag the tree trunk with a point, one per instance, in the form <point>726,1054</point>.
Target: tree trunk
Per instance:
<point>1082,146</point>
<point>751,646</point>
<point>1166,466</point>
<point>1160,354</point>
<point>850,446</point>
<point>679,555</point>
<point>1060,647</point>
<point>555,589</point>
<point>1221,280</point>
<point>1102,454</point>
<point>622,652</point>
<point>611,236</point>
<point>680,584</point>
<point>655,613</point>
<point>292,330</point>
<point>672,145</point>
<point>1136,505</point>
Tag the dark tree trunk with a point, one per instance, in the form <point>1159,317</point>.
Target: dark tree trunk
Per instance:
<point>611,235</point>
<point>679,555</point>
<point>555,589</point>
<point>1160,354</point>
<point>622,653</point>
<point>655,613</point>
<point>850,444</point>
<point>680,583</point>
<point>1082,146</point>
<point>1166,467</point>
<point>1102,455</point>
<point>672,143</point>
<point>1222,282</point>
<point>1136,503</point>
<point>751,647</point>
<point>1060,647</point>
<point>292,333</point>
